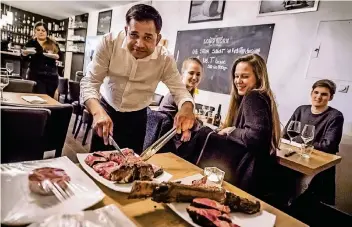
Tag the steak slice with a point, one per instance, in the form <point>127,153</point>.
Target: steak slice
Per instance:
<point>91,160</point>
<point>157,170</point>
<point>103,168</point>
<point>209,217</point>
<point>210,204</point>
<point>144,171</point>
<point>116,157</point>
<point>37,178</point>
<point>239,204</point>
<point>104,154</point>
<point>124,173</point>
<point>200,182</point>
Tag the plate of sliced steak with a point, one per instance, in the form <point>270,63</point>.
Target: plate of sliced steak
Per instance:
<point>202,206</point>
<point>117,172</point>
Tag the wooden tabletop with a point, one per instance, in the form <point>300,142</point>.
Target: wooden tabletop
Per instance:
<point>148,213</point>
<point>14,98</point>
<point>318,161</point>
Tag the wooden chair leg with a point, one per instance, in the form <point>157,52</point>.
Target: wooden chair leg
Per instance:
<point>75,124</point>
<point>79,127</point>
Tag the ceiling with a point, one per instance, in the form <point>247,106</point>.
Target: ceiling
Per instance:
<point>63,9</point>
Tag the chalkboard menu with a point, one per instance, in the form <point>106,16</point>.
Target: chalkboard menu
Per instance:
<point>218,48</point>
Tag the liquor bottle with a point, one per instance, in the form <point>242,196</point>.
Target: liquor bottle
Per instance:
<point>217,117</point>
<point>63,26</point>
<point>15,17</point>
<point>24,19</point>
<point>28,20</point>
<point>33,21</point>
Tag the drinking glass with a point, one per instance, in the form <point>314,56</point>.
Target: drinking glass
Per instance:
<point>4,81</point>
<point>293,130</point>
<point>9,68</point>
<point>215,176</point>
<point>307,136</point>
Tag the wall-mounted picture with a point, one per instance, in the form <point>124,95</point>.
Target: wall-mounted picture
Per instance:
<point>274,7</point>
<point>207,10</point>
<point>104,22</point>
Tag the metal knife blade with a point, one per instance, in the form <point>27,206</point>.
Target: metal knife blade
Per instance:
<point>113,143</point>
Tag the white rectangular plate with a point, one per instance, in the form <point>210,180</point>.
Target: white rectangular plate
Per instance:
<point>20,206</point>
<point>111,184</point>
<point>262,219</point>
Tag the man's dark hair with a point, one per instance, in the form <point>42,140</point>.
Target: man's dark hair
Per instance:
<point>327,84</point>
<point>142,12</point>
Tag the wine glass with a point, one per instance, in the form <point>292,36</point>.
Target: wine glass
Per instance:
<point>293,130</point>
<point>307,136</point>
<point>9,67</point>
<point>4,81</point>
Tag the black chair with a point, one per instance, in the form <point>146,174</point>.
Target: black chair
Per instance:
<point>22,133</point>
<point>21,86</point>
<point>74,91</point>
<point>158,123</point>
<point>87,119</point>
<point>157,99</point>
<point>62,90</point>
<point>79,76</point>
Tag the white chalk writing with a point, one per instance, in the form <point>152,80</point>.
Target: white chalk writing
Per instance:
<point>216,40</point>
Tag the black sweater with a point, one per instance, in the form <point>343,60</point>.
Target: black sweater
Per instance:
<point>328,127</point>
<point>254,123</point>
<point>40,64</point>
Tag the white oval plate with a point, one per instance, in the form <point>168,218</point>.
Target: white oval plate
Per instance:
<point>126,188</point>
<point>19,206</point>
<point>262,219</point>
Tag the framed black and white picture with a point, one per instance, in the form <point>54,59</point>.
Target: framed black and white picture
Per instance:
<point>207,10</point>
<point>275,7</point>
<point>104,22</point>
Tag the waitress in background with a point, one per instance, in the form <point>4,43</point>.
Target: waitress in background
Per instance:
<point>42,66</point>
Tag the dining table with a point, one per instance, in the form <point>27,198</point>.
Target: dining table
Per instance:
<point>146,213</point>
<point>15,98</point>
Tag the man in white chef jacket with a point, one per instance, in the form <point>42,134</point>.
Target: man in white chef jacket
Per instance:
<point>122,78</point>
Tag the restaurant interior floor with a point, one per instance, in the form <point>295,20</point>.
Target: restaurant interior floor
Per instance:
<point>343,178</point>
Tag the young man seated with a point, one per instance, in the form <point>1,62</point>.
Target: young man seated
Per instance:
<point>328,124</point>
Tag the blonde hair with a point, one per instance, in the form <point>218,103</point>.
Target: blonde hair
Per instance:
<point>50,45</point>
<point>260,71</point>
<point>185,65</point>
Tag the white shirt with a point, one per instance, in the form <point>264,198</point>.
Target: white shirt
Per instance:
<point>126,83</point>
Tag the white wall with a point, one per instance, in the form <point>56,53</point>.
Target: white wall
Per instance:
<point>289,55</point>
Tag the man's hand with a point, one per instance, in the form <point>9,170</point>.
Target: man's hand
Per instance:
<point>102,123</point>
<point>184,118</point>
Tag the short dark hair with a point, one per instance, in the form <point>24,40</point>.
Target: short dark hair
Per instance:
<point>142,12</point>
<point>327,84</point>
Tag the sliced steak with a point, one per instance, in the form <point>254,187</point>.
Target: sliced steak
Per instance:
<point>157,170</point>
<point>239,204</point>
<point>209,217</point>
<point>91,160</point>
<point>116,157</point>
<point>103,168</point>
<point>104,154</point>
<point>144,171</point>
<point>200,182</point>
<point>124,174</point>
<point>210,204</point>
<point>37,178</point>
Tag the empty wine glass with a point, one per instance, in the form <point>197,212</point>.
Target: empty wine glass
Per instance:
<point>9,67</point>
<point>4,81</point>
<point>293,130</point>
<point>307,136</point>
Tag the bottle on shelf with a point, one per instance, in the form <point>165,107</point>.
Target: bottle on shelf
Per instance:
<point>24,19</point>
<point>217,117</point>
<point>33,21</point>
<point>28,20</point>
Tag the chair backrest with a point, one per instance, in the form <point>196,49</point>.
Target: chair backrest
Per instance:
<point>19,85</point>
<point>157,99</point>
<point>158,123</point>
<point>63,86</point>
<point>74,90</point>
<point>22,133</point>
<point>79,76</point>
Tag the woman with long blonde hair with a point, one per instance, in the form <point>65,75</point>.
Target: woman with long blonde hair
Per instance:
<point>244,146</point>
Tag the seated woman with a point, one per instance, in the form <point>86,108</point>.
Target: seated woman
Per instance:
<point>192,73</point>
<point>328,124</point>
<point>250,133</point>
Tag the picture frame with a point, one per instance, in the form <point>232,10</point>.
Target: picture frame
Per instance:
<point>104,22</point>
<point>274,7</point>
<point>207,10</point>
